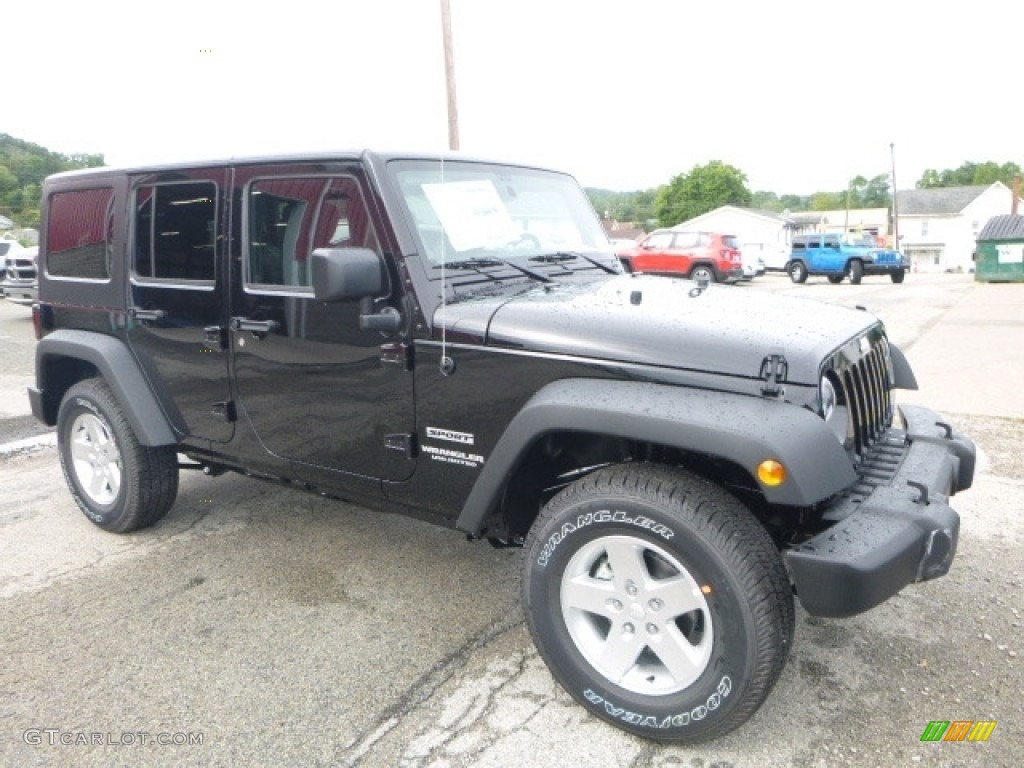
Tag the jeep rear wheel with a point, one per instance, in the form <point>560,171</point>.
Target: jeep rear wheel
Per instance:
<point>118,483</point>
<point>856,272</point>
<point>658,601</point>
<point>703,272</point>
<point>797,271</point>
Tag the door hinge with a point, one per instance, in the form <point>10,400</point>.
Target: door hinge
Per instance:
<point>774,369</point>
<point>402,441</point>
<point>398,354</point>
<point>215,337</point>
<point>224,410</point>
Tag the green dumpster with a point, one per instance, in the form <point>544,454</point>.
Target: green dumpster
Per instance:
<point>999,256</point>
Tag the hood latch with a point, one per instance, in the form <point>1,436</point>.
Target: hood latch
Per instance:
<point>774,369</point>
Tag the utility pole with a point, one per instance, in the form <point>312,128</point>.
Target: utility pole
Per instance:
<point>895,209</point>
<point>449,74</point>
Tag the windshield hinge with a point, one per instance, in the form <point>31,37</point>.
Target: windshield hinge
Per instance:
<point>773,370</point>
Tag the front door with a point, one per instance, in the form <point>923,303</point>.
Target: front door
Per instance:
<point>177,303</point>
<point>316,389</point>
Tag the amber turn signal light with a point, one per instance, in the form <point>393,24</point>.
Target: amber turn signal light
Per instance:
<point>771,472</point>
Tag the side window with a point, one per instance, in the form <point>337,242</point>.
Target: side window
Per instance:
<point>686,240</point>
<point>78,235</point>
<point>799,245</point>
<point>176,232</point>
<point>832,243</point>
<point>659,240</point>
<point>288,218</point>
<point>814,242</point>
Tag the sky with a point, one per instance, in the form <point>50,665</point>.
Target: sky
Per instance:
<point>624,94</point>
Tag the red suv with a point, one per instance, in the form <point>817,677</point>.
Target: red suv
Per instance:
<point>696,255</point>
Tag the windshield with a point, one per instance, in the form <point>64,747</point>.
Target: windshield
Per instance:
<point>861,240</point>
<point>464,211</point>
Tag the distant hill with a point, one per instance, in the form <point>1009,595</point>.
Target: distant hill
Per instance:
<point>23,166</point>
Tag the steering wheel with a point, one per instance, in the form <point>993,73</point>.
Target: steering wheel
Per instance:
<point>526,241</point>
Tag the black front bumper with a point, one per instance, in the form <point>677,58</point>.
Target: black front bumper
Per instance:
<point>893,528</point>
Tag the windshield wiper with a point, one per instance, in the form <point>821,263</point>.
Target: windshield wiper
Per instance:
<point>490,261</point>
<point>570,256</point>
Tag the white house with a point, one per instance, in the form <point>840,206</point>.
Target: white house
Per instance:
<point>938,227</point>
<point>761,233</point>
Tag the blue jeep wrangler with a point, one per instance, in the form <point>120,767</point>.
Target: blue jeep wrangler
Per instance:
<point>836,257</point>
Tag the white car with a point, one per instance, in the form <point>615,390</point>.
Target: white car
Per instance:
<point>6,246</point>
<point>19,277</point>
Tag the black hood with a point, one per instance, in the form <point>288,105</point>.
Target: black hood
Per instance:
<point>656,321</point>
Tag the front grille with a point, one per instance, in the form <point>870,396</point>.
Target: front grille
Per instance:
<point>21,269</point>
<point>864,388</point>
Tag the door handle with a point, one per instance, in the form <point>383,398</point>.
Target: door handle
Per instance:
<point>255,326</point>
<point>148,314</point>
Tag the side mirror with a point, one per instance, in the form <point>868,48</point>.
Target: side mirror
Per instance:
<point>354,274</point>
<point>347,274</point>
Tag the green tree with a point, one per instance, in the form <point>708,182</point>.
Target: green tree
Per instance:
<point>794,202</point>
<point>636,207</point>
<point>876,193</point>
<point>767,201</point>
<point>969,174</point>
<point>827,201</point>
<point>23,166</point>
<point>8,180</point>
<point>703,189</point>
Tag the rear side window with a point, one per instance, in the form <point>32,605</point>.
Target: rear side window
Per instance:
<point>78,234</point>
<point>799,245</point>
<point>731,242</point>
<point>288,218</point>
<point>687,240</point>
<point>175,232</point>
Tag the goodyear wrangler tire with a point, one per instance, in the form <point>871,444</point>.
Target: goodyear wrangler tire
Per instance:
<point>658,602</point>
<point>118,483</point>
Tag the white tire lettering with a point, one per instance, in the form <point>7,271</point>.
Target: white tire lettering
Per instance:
<point>714,701</point>
<point>602,516</point>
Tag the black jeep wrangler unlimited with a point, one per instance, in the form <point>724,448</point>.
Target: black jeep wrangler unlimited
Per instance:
<point>455,339</point>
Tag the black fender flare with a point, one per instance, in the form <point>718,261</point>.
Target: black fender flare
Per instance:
<point>742,429</point>
<point>902,372</point>
<point>118,367</point>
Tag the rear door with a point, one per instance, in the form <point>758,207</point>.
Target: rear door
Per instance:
<point>316,389</point>
<point>177,297</point>
<point>832,257</point>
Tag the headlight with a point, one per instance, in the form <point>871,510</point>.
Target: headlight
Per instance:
<point>836,416</point>
<point>827,398</point>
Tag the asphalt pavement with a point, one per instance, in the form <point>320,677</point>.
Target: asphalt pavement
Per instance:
<point>259,625</point>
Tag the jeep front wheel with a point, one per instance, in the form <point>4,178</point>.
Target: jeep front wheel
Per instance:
<point>897,276</point>
<point>118,483</point>
<point>658,602</point>
<point>797,272</point>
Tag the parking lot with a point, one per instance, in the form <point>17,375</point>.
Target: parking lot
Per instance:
<point>258,625</point>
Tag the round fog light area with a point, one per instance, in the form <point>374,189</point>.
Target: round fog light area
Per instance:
<point>771,472</point>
